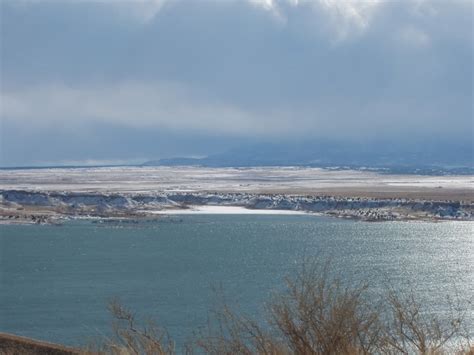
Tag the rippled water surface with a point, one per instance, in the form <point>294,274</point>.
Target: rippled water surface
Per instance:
<point>55,280</point>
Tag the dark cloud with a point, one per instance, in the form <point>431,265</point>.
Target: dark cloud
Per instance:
<point>236,68</point>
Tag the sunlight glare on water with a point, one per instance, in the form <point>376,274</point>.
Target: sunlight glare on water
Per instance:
<point>56,280</point>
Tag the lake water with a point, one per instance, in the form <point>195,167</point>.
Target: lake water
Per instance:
<point>55,281</point>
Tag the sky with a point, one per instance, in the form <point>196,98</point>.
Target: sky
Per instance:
<point>123,81</point>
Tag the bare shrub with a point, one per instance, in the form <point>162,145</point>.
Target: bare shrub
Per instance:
<point>230,333</point>
<point>316,314</point>
<point>131,339</point>
<point>320,314</point>
<point>410,329</point>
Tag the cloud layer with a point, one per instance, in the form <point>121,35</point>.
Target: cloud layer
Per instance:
<point>257,69</point>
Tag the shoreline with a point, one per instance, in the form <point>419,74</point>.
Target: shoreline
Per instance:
<point>39,207</point>
<point>47,196</point>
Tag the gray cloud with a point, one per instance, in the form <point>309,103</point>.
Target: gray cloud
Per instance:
<point>257,68</point>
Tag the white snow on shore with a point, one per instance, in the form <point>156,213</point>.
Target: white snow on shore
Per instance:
<point>196,179</point>
<point>232,210</point>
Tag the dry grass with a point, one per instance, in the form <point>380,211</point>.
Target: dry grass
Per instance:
<point>317,314</point>
<point>15,345</point>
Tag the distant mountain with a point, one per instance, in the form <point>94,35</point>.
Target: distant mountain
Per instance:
<point>175,162</point>
<point>426,158</point>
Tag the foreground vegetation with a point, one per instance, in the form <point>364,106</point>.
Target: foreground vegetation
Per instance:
<point>316,314</point>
